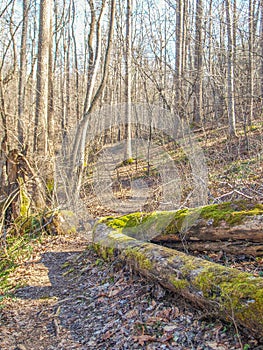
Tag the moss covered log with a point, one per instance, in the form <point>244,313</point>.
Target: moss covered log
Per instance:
<point>234,295</point>
<point>231,227</point>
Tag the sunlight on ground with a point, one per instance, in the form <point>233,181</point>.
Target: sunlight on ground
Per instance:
<point>31,274</point>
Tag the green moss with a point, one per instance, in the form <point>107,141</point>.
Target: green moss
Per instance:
<point>238,293</point>
<point>50,186</point>
<point>130,220</point>
<point>136,255</point>
<point>107,253</point>
<point>189,267</point>
<point>231,213</point>
<point>62,222</point>
<point>179,284</point>
<point>176,224</point>
<point>126,162</point>
<point>140,225</point>
<point>24,199</point>
<point>144,226</point>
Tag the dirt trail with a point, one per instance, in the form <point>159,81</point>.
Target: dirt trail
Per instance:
<point>72,299</point>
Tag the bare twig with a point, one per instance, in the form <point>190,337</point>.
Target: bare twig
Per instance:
<point>230,194</point>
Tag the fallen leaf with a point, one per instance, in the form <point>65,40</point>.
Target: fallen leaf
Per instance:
<point>131,313</point>
<point>215,345</point>
<point>170,329</point>
<point>107,335</point>
<point>141,339</point>
<point>114,292</point>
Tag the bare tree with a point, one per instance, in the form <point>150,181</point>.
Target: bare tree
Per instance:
<point>198,62</point>
<point>22,76</point>
<point>261,46</point>
<point>128,53</point>
<point>42,91</point>
<point>7,71</point>
<point>179,54</point>
<point>94,55</point>
<point>251,60</point>
<point>230,72</point>
<point>92,95</point>
<point>77,92</point>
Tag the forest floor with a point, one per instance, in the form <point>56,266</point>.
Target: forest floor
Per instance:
<point>69,298</point>
<point>64,296</point>
<point>234,168</point>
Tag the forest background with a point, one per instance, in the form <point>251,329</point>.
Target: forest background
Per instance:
<point>62,60</point>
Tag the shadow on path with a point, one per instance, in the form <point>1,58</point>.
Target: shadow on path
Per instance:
<point>48,313</point>
<point>58,285</point>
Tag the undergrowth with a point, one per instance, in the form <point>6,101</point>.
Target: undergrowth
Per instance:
<point>17,247</point>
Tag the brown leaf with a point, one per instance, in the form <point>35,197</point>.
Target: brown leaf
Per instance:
<point>141,339</point>
<point>107,335</point>
<point>169,329</point>
<point>154,319</point>
<point>131,313</point>
<point>114,292</point>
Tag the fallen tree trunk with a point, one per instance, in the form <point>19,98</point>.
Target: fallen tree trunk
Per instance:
<point>235,228</point>
<point>250,229</point>
<point>242,237</point>
<point>234,295</point>
<point>236,247</point>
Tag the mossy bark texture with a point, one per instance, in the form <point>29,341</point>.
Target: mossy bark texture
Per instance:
<point>233,295</point>
<point>235,228</point>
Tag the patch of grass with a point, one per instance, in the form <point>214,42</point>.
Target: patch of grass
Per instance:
<point>99,262</point>
<point>16,250</point>
<point>17,247</point>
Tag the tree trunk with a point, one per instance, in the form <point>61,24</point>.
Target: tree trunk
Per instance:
<point>179,54</point>
<point>128,53</point>
<point>51,122</point>
<point>251,60</point>
<point>74,158</point>
<point>198,62</point>
<point>42,92</point>
<point>4,143</point>
<point>22,76</point>
<point>233,295</point>
<point>76,68</point>
<point>230,73</point>
<point>261,47</point>
<point>238,247</point>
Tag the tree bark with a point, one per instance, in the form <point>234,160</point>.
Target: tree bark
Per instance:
<point>236,248</point>
<point>198,62</point>
<point>251,60</point>
<point>22,76</point>
<point>245,238</point>
<point>230,73</point>
<point>233,295</point>
<point>77,152</point>
<point>128,54</point>
<point>178,55</point>
<point>261,47</point>
<point>42,92</point>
